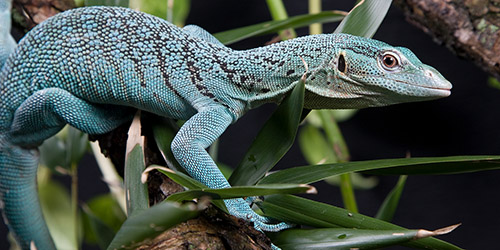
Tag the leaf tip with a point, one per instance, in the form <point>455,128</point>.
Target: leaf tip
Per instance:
<point>422,233</point>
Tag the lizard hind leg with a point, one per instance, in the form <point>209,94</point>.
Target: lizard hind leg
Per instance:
<point>39,117</point>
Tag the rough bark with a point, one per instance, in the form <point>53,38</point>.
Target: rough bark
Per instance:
<point>29,13</point>
<point>469,28</point>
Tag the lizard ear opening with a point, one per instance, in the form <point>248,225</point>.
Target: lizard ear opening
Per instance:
<point>341,63</point>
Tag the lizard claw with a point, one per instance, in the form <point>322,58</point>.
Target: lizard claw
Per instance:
<point>241,209</point>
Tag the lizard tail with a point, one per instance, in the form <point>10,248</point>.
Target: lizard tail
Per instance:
<point>18,196</point>
<point>7,42</point>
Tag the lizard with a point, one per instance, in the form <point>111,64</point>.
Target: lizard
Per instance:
<point>93,67</point>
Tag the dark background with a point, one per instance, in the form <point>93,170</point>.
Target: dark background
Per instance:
<point>463,124</point>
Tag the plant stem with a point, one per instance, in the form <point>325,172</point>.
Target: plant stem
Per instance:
<point>314,8</point>
<point>74,199</point>
<point>278,12</point>
<point>134,4</point>
<point>337,141</point>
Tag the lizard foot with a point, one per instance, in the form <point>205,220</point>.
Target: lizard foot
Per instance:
<point>241,209</point>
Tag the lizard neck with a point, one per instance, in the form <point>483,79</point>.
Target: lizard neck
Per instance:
<point>267,73</point>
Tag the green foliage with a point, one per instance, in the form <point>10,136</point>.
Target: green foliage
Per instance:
<point>315,214</point>
<point>344,238</point>
<point>235,35</point>
<point>58,212</point>
<point>390,204</point>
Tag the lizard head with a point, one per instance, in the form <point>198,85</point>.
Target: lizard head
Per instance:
<point>364,72</point>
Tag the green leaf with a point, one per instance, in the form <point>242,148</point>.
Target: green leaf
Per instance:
<point>164,131</point>
<point>273,140</point>
<point>242,191</point>
<point>235,35</point>
<point>278,12</point>
<point>178,177</point>
<point>388,208</point>
<point>314,146</point>
<point>53,153</point>
<point>183,180</point>
<point>365,18</point>
<point>64,149</point>
<point>58,213</point>
<point>136,191</point>
<point>150,222</point>
<point>306,212</point>
<point>106,208</point>
<point>96,231</point>
<point>347,238</point>
<point>403,166</point>
<point>77,143</point>
<point>104,217</point>
<point>493,82</point>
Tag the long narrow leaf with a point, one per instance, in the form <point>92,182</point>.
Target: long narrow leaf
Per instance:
<point>164,131</point>
<point>235,35</point>
<point>388,209</point>
<point>151,222</point>
<point>403,166</point>
<point>347,238</point>
<point>273,140</point>
<point>279,206</point>
<point>183,180</point>
<point>136,193</point>
<point>242,191</point>
<point>365,18</point>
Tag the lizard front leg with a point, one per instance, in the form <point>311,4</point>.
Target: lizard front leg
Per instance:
<point>188,147</point>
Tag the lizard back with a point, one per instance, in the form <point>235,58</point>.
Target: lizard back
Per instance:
<point>108,55</point>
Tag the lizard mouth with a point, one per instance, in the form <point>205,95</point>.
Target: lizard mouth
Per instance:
<point>442,88</point>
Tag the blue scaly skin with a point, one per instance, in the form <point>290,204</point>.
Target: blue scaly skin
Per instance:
<point>92,67</point>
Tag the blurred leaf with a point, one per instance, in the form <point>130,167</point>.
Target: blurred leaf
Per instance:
<point>58,213</point>
<point>235,35</point>
<point>110,176</point>
<point>365,18</point>
<point>95,230</point>
<point>273,140</point>
<point>242,191</point>
<point>388,209</point>
<point>334,136</point>
<point>314,146</point>
<point>306,212</point>
<point>151,222</point>
<point>106,208</point>
<point>53,153</point>
<point>64,149</point>
<point>77,143</point>
<point>180,11</point>
<point>347,238</point>
<point>121,3</point>
<point>493,82</point>
<point>403,166</point>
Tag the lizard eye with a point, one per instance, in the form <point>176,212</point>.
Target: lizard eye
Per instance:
<point>390,61</point>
